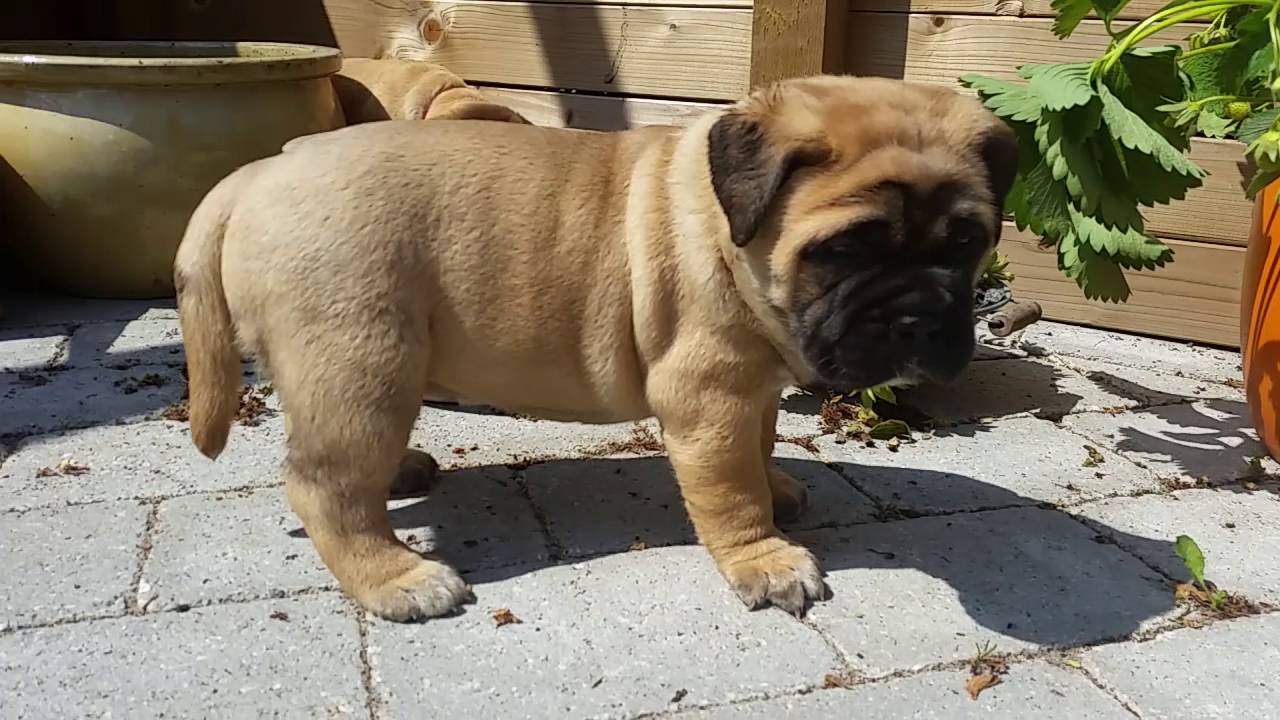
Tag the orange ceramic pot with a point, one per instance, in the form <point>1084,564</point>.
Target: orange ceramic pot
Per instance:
<point>1260,319</point>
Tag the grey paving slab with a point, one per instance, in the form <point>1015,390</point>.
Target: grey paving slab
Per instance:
<point>911,593</point>
<point>493,439</point>
<point>618,636</point>
<point>149,459</point>
<point>1226,670</point>
<point>1029,691</point>
<point>34,309</point>
<point>124,344</point>
<point>1161,356</point>
<point>68,563</point>
<point>1210,441</point>
<point>1152,386</point>
<point>227,661</point>
<point>1018,461</point>
<point>206,548</point>
<point>33,348</point>
<point>90,396</point>
<point>999,388</point>
<point>477,518</point>
<point>1230,526</point>
<point>595,506</point>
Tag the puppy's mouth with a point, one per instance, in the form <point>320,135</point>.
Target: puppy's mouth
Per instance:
<point>900,326</point>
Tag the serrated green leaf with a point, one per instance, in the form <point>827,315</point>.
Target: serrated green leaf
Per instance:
<point>1192,557</point>
<point>1100,277</point>
<point>1046,201</point>
<point>1059,87</point>
<point>1069,157</point>
<point>1133,132</point>
<point>889,429</point>
<point>1252,127</point>
<point>1146,78</point>
<point>1007,100</point>
<point>1149,184</point>
<point>1068,14</point>
<point>1261,179</point>
<point>1127,247</point>
<point>885,393</point>
<point>1213,126</point>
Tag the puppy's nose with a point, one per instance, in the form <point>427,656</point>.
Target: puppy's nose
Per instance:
<point>911,330</point>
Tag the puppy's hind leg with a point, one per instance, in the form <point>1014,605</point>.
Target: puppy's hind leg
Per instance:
<point>417,475</point>
<point>350,414</point>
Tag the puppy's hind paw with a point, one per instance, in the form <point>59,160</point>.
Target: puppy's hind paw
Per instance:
<point>429,589</point>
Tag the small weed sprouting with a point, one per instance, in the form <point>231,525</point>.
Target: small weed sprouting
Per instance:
<point>1193,560</point>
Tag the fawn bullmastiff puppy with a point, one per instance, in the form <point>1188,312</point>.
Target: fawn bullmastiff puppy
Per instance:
<point>394,89</point>
<point>822,231</point>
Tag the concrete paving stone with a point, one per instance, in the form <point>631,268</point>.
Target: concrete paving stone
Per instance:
<point>34,309</point>
<point>43,402</point>
<point>287,658</point>
<point>616,636</point>
<point>27,349</point>
<point>1209,441</point>
<point>1161,356</point>
<point>141,460</point>
<point>68,563</point>
<point>124,344</point>
<point>597,506</point>
<point>1000,388</point>
<point>1226,670</point>
<point>912,593</point>
<point>1152,387</point>
<point>206,548</point>
<point>476,518</point>
<point>1029,691</point>
<point>1231,527</point>
<point>1017,461</point>
<point>488,438</point>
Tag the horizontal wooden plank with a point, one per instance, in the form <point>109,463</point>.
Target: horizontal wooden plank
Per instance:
<point>939,49</point>
<point>595,112</point>
<point>1196,297</point>
<point>659,51</point>
<point>1017,8</point>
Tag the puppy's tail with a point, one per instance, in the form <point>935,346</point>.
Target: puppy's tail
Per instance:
<point>213,360</point>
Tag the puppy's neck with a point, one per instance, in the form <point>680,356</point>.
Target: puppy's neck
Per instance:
<point>703,229</point>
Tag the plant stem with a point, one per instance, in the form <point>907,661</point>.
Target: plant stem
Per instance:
<point>1168,17</point>
<point>1210,48</point>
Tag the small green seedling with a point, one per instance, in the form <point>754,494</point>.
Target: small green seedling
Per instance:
<point>1193,559</point>
<point>878,428</point>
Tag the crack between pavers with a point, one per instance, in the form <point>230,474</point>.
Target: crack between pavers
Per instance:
<point>555,552</point>
<point>140,498</point>
<point>373,700</point>
<point>132,600</point>
<point>1103,687</point>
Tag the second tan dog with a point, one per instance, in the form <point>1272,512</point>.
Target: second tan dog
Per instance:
<point>393,89</point>
<point>822,231</point>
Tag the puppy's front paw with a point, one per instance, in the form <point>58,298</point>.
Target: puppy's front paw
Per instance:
<point>428,589</point>
<point>790,496</point>
<point>775,571</point>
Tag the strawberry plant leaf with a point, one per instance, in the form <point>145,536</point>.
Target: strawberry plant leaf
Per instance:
<point>1214,126</point>
<point>1068,14</point>
<point>1143,80</point>
<point>1261,180</point>
<point>1133,132</point>
<point>1147,183</point>
<point>1059,87</point>
<point>1070,159</point>
<point>1252,127</point>
<point>1007,100</point>
<point>1097,275</point>
<point>1192,558</point>
<point>1127,247</point>
<point>1046,201</point>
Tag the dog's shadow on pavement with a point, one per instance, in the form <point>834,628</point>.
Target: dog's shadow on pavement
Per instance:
<point>1024,570</point>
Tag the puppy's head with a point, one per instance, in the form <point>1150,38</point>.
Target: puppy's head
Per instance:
<point>862,208</point>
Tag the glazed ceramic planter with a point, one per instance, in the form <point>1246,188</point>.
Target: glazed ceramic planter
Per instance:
<point>1260,319</point>
<point>107,147</point>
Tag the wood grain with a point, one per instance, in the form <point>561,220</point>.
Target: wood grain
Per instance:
<point>794,38</point>
<point>1196,297</point>
<point>594,112</point>
<point>1015,8</point>
<point>646,50</point>
<point>939,49</point>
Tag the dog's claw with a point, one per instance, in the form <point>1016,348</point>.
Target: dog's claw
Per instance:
<point>780,573</point>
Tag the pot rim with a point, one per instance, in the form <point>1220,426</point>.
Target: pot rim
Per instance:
<point>129,62</point>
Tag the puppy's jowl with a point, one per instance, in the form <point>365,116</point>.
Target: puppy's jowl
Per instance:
<point>826,230</point>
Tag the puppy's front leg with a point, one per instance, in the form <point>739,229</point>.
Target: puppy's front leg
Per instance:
<point>714,442</point>
<point>790,498</point>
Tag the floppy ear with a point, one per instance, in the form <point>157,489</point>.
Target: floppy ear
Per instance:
<point>999,152</point>
<point>748,170</point>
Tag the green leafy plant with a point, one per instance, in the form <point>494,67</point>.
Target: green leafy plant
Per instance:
<point>1193,559</point>
<point>1101,140</point>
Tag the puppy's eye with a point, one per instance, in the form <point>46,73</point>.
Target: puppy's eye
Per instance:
<point>967,233</point>
<point>870,238</point>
